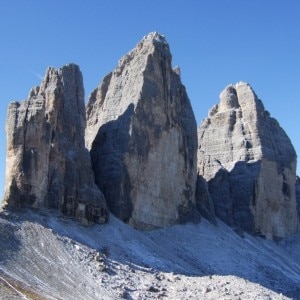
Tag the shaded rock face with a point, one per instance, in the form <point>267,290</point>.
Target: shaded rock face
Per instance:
<point>47,164</point>
<point>142,137</point>
<point>298,195</point>
<point>204,203</point>
<point>249,164</point>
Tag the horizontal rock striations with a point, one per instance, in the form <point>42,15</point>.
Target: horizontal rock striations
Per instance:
<point>249,164</point>
<point>142,137</point>
<point>47,164</point>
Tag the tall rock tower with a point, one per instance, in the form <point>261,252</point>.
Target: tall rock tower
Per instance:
<point>249,164</point>
<point>47,164</point>
<point>142,136</point>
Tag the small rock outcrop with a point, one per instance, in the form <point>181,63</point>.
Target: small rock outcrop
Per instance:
<point>249,164</point>
<point>142,136</point>
<point>47,164</point>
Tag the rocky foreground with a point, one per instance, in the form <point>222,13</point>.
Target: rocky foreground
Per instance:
<point>46,256</point>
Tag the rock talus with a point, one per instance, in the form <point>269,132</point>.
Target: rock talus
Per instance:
<point>47,164</point>
<point>249,164</point>
<point>142,136</point>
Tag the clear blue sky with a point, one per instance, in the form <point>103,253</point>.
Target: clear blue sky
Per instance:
<point>215,43</point>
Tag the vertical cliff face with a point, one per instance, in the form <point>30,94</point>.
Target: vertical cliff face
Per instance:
<point>47,164</point>
<point>204,203</point>
<point>249,163</point>
<point>142,137</point>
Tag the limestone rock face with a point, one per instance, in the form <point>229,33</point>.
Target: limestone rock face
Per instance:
<point>142,137</point>
<point>47,164</point>
<point>249,164</point>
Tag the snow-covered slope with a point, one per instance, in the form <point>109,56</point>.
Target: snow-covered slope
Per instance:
<point>46,256</point>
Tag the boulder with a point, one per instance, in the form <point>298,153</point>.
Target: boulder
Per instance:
<point>142,136</point>
<point>47,164</point>
<point>249,164</point>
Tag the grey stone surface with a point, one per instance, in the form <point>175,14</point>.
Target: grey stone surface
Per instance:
<point>204,201</point>
<point>142,137</point>
<point>47,164</point>
<point>249,164</point>
<point>298,195</point>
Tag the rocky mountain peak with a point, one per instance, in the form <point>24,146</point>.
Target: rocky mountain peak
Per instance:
<point>249,164</point>
<point>141,131</point>
<point>238,95</point>
<point>155,37</point>
<point>47,165</point>
<point>228,98</point>
<point>151,55</point>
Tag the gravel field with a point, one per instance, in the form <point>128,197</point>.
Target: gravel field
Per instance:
<point>46,256</point>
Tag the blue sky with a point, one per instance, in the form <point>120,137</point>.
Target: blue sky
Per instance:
<point>215,43</point>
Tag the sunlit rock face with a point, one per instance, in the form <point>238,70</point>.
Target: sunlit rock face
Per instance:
<point>249,164</point>
<point>142,137</point>
<point>47,164</point>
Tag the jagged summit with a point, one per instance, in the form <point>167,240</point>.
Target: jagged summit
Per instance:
<point>156,36</point>
<point>231,97</point>
<point>151,43</point>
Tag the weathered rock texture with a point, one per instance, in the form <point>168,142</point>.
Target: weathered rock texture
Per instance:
<point>47,164</point>
<point>142,137</point>
<point>249,164</point>
<point>204,203</point>
<point>298,195</point>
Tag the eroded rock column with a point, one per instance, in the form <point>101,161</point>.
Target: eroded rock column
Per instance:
<point>142,136</point>
<point>249,164</point>
<point>47,164</point>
